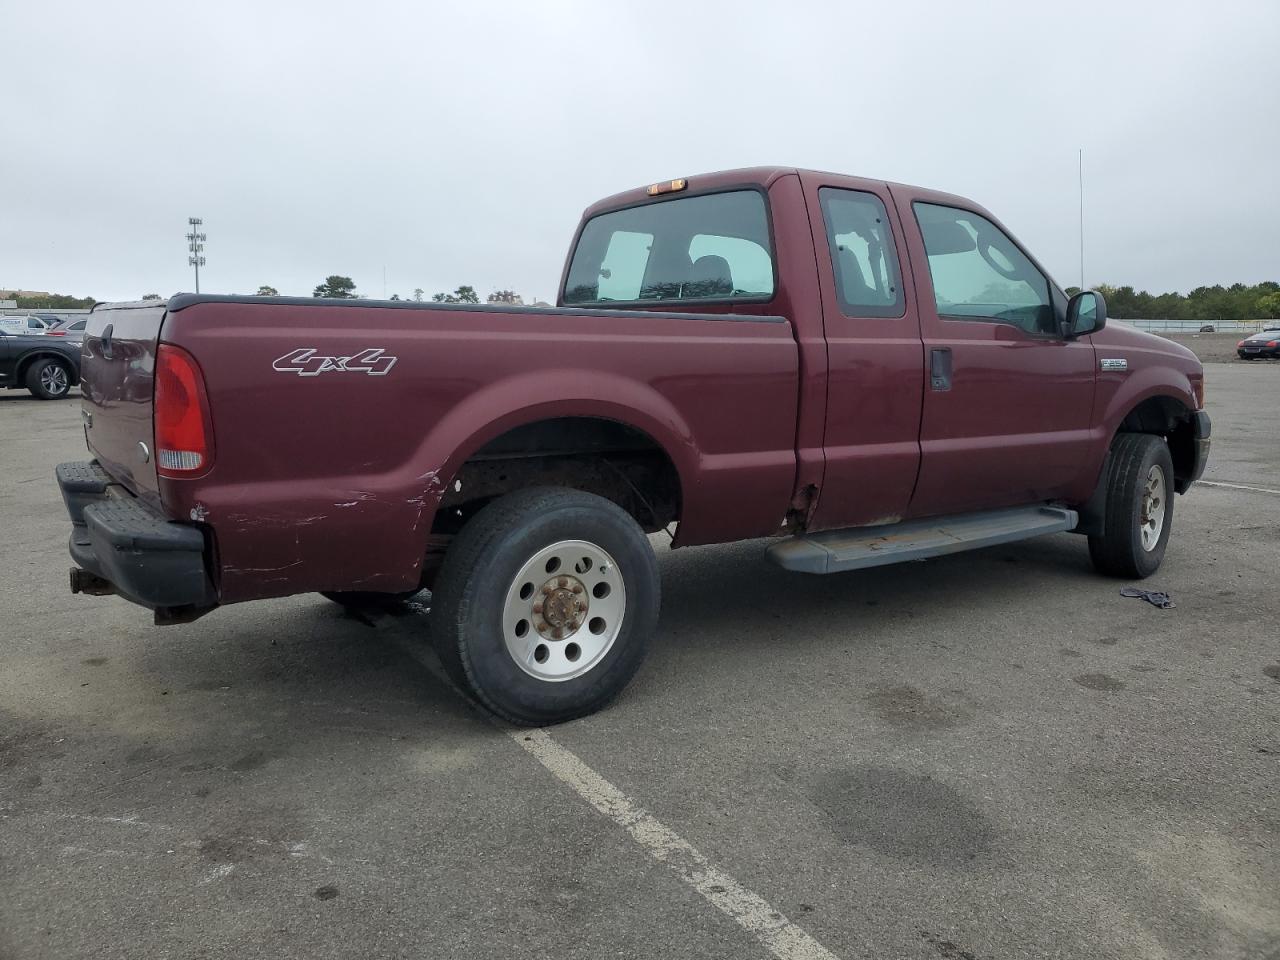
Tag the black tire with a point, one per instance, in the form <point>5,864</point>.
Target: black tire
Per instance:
<point>476,584</point>
<point>1119,550</point>
<point>49,379</point>
<point>364,600</point>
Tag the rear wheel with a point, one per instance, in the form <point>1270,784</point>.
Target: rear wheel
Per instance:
<point>48,379</point>
<point>1139,512</point>
<point>545,604</point>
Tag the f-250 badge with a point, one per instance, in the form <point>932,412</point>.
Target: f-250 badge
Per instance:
<point>305,362</point>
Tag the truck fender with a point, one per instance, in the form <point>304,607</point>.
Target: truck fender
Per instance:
<point>1142,385</point>
<point>1145,384</point>
<point>547,394</point>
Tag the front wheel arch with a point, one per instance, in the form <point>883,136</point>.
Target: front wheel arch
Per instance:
<point>24,364</point>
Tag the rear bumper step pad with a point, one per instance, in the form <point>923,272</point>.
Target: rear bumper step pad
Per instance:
<point>144,556</point>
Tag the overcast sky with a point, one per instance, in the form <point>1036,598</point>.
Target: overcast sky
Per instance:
<point>452,143</point>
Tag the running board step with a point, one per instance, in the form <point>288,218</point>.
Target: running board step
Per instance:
<point>834,551</point>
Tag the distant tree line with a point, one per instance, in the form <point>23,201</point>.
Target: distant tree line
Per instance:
<point>1236,302</point>
<point>54,301</point>
<point>339,287</point>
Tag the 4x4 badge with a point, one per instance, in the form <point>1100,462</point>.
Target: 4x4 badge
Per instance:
<point>305,362</point>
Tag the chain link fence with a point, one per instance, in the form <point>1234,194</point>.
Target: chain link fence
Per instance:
<point>1200,326</point>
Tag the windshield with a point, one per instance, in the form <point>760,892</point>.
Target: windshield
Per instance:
<point>714,247</point>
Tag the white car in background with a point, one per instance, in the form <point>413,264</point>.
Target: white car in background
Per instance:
<point>71,329</point>
<point>24,323</point>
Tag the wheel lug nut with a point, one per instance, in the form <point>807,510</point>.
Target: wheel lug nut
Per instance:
<point>557,633</point>
<point>537,607</point>
<point>577,588</point>
<point>563,582</point>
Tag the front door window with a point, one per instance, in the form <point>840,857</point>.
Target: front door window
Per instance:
<point>980,274</point>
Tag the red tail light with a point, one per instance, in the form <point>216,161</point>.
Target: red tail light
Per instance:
<point>184,431</point>
<point>55,333</point>
<point>1273,343</point>
<point>1240,344</point>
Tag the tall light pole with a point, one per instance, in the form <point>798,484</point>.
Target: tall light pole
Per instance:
<point>1080,170</point>
<point>195,243</point>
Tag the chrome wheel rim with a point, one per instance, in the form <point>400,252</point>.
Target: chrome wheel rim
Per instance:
<point>564,610</point>
<point>1153,508</point>
<point>54,379</point>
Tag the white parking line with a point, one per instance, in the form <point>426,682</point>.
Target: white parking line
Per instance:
<point>752,912</point>
<point>784,939</point>
<point>1240,486</point>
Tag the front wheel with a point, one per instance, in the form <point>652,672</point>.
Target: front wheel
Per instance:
<point>48,379</point>
<point>545,604</point>
<point>1139,511</point>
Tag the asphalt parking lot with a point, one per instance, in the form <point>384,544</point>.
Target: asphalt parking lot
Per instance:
<point>986,755</point>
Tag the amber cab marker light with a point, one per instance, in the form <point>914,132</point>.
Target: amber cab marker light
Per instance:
<point>668,186</point>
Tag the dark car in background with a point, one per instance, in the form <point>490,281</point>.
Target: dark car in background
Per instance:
<point>47,366</point>
<point>1263,344</point>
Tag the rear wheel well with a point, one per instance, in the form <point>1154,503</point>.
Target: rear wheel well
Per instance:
<point>1170,418</point>
<point>610,459</point>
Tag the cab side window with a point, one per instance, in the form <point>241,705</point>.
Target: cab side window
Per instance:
<point>980,274</point>
<point>868,282</point>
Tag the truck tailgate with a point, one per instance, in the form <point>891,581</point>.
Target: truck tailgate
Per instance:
<point>118,373</point>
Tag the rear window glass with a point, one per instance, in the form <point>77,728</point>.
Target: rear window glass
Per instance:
<point>713,247</point>
<point>866,265</point>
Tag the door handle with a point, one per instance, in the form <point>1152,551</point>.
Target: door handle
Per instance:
<point>940,368</point>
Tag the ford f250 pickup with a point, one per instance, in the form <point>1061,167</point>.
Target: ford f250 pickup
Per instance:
<point>863,372</point>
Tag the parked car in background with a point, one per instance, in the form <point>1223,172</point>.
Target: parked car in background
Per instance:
<point>71,329</point>
<point>24,323</point>
<point>1266,343</point>
<point>47,366</point>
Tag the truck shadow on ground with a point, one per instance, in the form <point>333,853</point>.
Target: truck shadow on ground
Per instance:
<point>320,664</point>
<point>731,601</point>
<point>23,396</point>
<point>716,585</point>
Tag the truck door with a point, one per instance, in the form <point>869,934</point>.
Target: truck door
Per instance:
<point>874,354</point>
<point>1008,399</point>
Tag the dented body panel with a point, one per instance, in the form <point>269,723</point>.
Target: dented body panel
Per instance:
<point>331,481</point>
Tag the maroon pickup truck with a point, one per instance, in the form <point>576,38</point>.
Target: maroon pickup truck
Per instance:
<point>864,372</point>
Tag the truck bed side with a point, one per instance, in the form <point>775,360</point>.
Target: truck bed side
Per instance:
<point>328,473</point>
